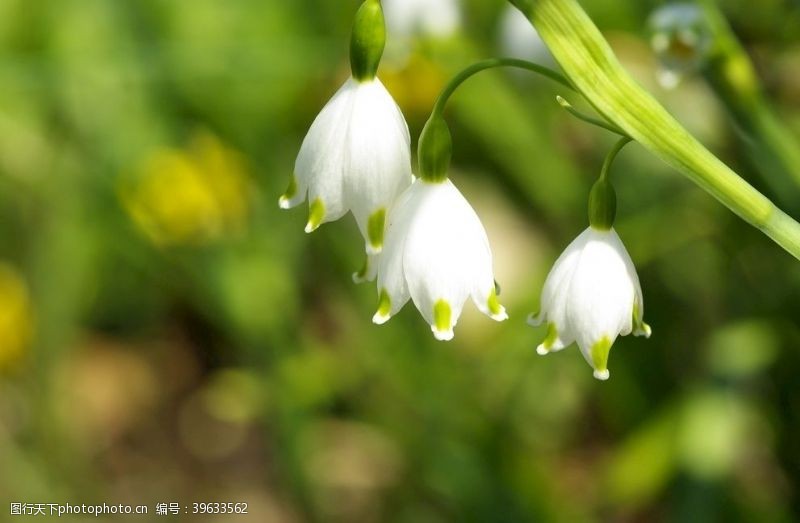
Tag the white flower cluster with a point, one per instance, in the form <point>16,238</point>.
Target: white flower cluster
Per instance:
<point>429,243</point>
<point>425,243</point>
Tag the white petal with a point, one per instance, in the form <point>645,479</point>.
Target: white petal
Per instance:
<point>601,292</point>
<point>554,298</point>
<point>295,195</point>
<point>377,166</point>
<point>485,298</point>
<point>319,165</point>
<point>484,291</point>
<point>446,255</point>
<point>556,338</point>
<point>391,278</point>
<point>369,271</point>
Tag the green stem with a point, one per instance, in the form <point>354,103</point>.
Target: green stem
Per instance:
<point>590,64</point>
<point>435,145</point>
<point>588,119</point>
<point>612,155</point>
<point>492,63</point>
<point>603,197</point>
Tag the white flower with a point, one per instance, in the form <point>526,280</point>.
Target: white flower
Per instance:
<point>405,18</point>
<point>438,255</point>
<point>356,157</point>
<point>592,295</point>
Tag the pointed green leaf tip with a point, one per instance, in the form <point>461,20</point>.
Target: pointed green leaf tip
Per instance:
<point>367,41</point>
<point>375,228</point>
<point>316,213</point>
<point>435,150</point>
<point>600,352</point>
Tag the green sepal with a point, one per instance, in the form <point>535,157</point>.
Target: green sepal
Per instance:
<point>367,40</point>
<point>435,150</point>
<point>602,205</point>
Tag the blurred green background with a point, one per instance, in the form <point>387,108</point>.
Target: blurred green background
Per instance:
<point>167,334</point>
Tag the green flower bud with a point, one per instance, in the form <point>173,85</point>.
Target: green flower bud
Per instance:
<point>434,150</point>
<point>367,41</point>
<point>602,205</point>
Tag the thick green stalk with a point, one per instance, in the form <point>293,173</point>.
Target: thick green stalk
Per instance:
<point>591,66</point>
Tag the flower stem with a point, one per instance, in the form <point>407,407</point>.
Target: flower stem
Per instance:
<point>492,63</point>
<point>612,155</point>
<point>590,120</point>
<point>603,197</point>
<point>435,145</point>
<point>590,64</point>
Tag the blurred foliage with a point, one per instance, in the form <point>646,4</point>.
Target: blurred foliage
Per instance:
<point>167,334</point>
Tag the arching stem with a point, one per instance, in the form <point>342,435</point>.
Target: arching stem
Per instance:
<point>493,63</point>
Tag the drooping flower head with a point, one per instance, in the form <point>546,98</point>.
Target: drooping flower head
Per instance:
<point>437,253</point>
<point>592,294</point>
<point>356,156</point>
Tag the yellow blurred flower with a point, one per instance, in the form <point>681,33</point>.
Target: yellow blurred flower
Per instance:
<point>415,85</point>
<point>16,317</point>
<point>190,196</point>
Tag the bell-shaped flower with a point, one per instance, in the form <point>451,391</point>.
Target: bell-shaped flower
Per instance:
<point>591,296</point>
<point>356,156</point>
<point>436,254</point>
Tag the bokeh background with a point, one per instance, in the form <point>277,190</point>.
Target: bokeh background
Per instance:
<point>167,334</point>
